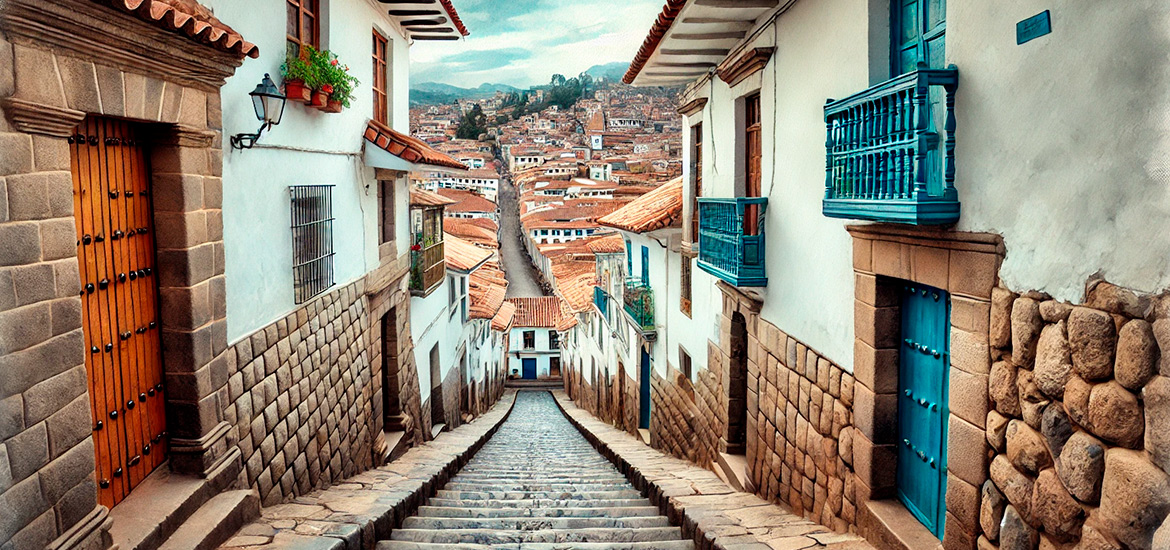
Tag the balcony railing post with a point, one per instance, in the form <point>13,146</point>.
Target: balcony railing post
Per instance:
<point>921,135</point>
<point>949,171</point>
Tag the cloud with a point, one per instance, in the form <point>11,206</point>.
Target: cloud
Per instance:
<point>523,42</point>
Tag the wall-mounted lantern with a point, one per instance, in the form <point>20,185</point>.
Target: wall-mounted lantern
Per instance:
<point>269,105</point>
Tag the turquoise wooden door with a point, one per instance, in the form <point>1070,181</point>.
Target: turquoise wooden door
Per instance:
<point>528,369</point>
<point>919,34</point>
<point>922,403</point>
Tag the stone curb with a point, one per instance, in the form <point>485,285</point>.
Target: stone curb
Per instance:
<point>359,511</point>
<point>711,513</point>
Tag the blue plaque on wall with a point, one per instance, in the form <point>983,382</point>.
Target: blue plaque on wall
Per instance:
<point>1033,27</point>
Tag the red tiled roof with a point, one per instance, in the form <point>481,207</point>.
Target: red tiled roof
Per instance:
<point>657,209</point>
<point>408,148</point>
<point>542,312</point>
<point>657,31</point>
<point>485,300</point>
<point>188,18</point>
<point>608,244</point>
<point>462,255</point>
<point>575,280</point>
<point>419,197</point>
<point>472,230</point>
<point>466,201</point>
<point>447,5</point>
<point>503,319</point>
<point>568,319</point>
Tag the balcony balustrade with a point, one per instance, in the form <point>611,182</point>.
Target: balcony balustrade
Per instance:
<point>883,156</point>
<point>638,299</point>
<point>601,300</point>
<point>428,266</point>
<point>731,239</point>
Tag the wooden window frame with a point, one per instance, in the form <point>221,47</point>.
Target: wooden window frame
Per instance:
<point>753,158</point>
<point>310,8</point>
<point>696,177</point>
<point>380,82</point>
<point>386,211</point>
<point>684,362</point>
<point>529,339</point>
<point>686,282</point>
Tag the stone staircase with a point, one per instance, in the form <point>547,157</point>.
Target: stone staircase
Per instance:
<point>537,484</point>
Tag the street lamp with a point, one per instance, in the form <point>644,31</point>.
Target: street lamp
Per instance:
<point>268,103</point>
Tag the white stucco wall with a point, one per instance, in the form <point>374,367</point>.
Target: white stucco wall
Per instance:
<point>1061,142</point>
<point>433,320</point>
<point>541,351</point>
<point>308,147</point>
<point>809,257</point>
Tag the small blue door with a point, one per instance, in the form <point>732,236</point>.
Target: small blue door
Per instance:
<point>924,359</point>
<point>528,369</point>
<point>644,390</point>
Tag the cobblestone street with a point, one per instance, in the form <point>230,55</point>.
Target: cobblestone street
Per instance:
<point>522,281</point>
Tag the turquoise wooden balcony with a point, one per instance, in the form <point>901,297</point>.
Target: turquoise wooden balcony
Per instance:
<point>729,248</point>
<point>884,157</point>
<point>601,300</point>
<point>638,299</point>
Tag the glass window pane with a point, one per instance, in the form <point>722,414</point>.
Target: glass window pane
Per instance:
<point>293,15</point>
<point>307,30</point>
<point>909,59</point>
<point>936,13</point>
<point>908,23</point>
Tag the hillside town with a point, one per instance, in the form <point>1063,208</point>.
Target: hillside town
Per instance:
<point>764,274</point>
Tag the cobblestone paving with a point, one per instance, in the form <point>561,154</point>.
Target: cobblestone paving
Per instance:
<point>522,281</point>
<point>537,484</point>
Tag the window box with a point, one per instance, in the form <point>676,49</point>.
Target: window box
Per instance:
<point>885,159</point>
<point>638,299</point>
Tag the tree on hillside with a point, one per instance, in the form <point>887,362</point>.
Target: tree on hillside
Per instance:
<point>473,124</point>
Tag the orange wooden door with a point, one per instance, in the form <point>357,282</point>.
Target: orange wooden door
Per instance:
<point>119,294</point>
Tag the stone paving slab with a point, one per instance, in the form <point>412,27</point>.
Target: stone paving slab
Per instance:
<point>355,513</point>
<point>709,511</point>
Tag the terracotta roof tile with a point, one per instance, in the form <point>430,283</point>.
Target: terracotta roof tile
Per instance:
<point>568,318</point>
<point>608,244</point>
<point>447,5</point>
<point>408,148</point>
<point>665,20</point>
<point>657,209</point>
<point>473,230</point>
<point>190,19</point>
<point>542,312</point>
<point>575,280</point>
<point>466,201</point>
<point>419,197</point>
<point>461,255</point>
<point>485,300</point>
<point>504,317</point>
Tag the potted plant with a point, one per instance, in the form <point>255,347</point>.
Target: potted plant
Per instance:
<point>301,75</point>
<point>340,84</point>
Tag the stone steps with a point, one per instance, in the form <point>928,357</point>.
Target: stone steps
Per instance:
<point>215,521</point>
<point>535,523</point>
<point>537,484</point>
<point>541,503</point>
<point>500,536</point>
<point>652,545</point>
<point>559,512</point>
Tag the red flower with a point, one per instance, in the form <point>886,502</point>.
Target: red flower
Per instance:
<point>334,62</point>
<point>327,88</point>
<point>415,247</point>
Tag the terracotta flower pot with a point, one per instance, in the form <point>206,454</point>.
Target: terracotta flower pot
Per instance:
<point>296,90</point>
<point>320,99</point>
<point>332,107</point>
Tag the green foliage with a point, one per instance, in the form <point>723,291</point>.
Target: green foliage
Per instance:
<point>301,66</point>
<point>318,69</point>
<point>473,124</point>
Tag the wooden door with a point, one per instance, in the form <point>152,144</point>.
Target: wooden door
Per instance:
<point>922,404</point>
<point>116,257</point>
<point>644,388</point>
<point>528,369</point>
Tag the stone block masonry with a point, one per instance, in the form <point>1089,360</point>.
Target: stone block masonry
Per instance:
<point>1080,409</point>
<point>298,397</point>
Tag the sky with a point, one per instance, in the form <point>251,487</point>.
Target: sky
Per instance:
<point>523,42</point>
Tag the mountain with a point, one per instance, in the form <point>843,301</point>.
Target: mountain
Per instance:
<point>611,71</point>
<point>431,93</point>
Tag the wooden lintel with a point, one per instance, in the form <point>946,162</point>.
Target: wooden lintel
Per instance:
<point>693,106</point>
<point>730,35</point>
<point>746,65</point>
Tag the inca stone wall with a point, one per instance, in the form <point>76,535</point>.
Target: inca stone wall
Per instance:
<point>299,397</point>
<point>396,297</point>
<point>1080,427</point>
<point>682,416</point>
